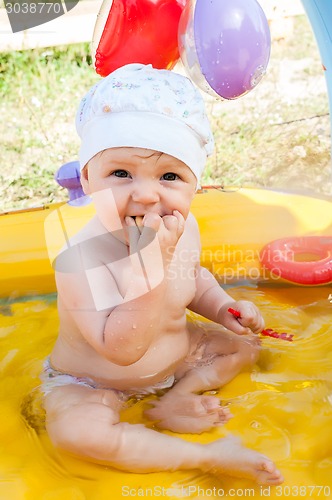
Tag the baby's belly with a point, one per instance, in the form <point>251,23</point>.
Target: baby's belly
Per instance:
<point>160,361</point>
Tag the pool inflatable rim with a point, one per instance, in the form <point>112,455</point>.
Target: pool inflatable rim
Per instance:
<point>279,257</point>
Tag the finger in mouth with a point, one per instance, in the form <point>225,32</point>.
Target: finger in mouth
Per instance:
<point>139,222</point>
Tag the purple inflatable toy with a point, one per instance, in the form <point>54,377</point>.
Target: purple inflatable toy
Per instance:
<point>224,45</point>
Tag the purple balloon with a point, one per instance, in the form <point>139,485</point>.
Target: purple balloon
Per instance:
<point>230,42</point>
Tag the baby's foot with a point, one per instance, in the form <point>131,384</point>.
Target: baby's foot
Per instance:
<point>188,413</point>
<point>233,459</point>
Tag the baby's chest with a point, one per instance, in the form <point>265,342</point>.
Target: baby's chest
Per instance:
<point>180,273</point>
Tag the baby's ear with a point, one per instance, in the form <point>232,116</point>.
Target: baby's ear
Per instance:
<point>85,180</point>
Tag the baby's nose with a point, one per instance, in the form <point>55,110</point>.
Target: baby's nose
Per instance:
<point>145,192</point>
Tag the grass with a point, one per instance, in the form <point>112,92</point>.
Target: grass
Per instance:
<point>40,90</point>
<point>277,136</point>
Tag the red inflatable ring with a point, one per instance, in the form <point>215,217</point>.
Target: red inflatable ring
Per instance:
<point>306,260</point>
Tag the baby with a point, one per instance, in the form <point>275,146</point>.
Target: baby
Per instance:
<point>124,285</point>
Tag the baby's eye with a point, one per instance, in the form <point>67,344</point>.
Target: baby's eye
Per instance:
<point>170,176</point>
<point>120,173</point>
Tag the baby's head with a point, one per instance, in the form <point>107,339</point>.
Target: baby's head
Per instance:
<point>142,107</point>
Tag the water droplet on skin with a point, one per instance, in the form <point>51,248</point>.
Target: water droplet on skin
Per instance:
<point>121,338</point>
<point>134,326</point>
<point>139,347</point>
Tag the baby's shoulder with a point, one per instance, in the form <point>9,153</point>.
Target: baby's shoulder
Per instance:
<point>90,230</point>
<point>89,248</point>
<point>192,224</point>
<point>191,219</point>
<point>191,236</point>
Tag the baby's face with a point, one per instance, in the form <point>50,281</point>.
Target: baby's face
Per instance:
<point>134,181</point>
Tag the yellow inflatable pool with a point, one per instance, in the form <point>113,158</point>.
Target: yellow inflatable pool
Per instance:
<point>282,408</point>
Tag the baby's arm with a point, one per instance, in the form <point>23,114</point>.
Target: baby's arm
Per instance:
<point>212,302</point>
<point>121,328</point>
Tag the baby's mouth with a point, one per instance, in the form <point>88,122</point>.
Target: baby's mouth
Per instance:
<point>138,219</point>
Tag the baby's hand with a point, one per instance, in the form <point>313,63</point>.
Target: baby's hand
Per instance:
<point>250,319</point>
<point>168,229</point>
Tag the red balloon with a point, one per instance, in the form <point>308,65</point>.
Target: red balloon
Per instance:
<point>137,31</point>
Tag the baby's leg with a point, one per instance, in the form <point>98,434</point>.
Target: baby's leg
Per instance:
<point>220,356</point>
<point>86,422</point>
<point>224,356</point>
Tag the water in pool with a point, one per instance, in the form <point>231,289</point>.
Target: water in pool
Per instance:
<point>282,408</point>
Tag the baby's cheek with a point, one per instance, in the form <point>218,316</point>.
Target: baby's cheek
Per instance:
<point>107,210</point>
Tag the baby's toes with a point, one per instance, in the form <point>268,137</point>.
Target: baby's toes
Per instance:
<point>210,403</point>
<point>218,414</point>
<point>212,406</point>
<point>267,478</point>
<point>224,414</point>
